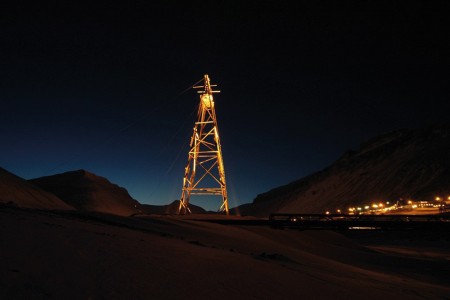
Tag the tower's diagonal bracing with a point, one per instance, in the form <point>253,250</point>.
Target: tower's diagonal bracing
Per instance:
<point>204,173</point>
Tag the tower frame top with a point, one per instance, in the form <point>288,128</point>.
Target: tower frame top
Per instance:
<point>207,86</point>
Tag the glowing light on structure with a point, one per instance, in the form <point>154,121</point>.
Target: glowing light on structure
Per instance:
<point>205,155</point>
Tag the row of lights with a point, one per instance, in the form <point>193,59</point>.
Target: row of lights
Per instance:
<point>377,206</point>
<point>367,207</point>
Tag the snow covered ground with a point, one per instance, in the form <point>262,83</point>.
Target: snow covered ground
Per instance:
<point>69,255</point>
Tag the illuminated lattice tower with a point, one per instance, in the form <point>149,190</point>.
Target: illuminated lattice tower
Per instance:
<point>204,173</point>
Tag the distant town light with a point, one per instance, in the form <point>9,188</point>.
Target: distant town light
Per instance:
<point>387,202</point>
<point>327,212</point>
<point>366,207</point>
<point>439,198</point>
<point>409,202</point>
<point>375,205</point>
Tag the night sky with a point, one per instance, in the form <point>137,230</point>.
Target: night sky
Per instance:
<point>104,88</point>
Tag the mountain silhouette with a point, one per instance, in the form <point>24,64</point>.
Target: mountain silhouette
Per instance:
<point>407,163</point>
<point>88,192</point>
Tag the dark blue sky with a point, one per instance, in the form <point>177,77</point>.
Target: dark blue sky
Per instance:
<point>98,88</point>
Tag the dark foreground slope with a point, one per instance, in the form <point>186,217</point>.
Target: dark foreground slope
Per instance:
<point>405,163</point>
<point>94,256</point>
<point>16,191</point>
<point>88,192</point>
<point>171,209</point>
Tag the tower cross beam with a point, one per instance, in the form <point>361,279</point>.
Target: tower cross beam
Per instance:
<point>208,172</point>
